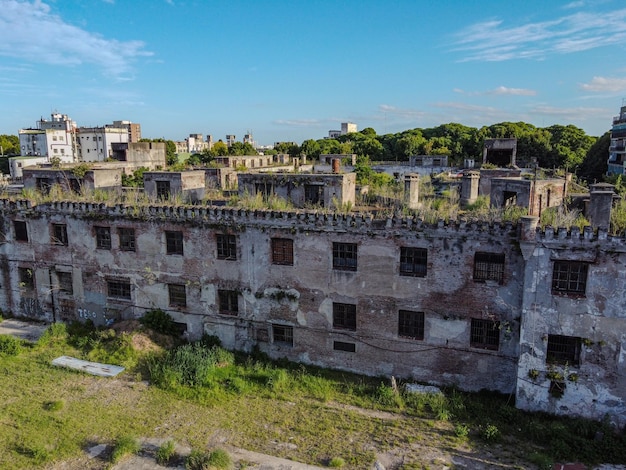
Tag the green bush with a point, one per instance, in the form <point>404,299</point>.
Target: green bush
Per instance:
<point>197,460</point>
<point>491,433</point>
<point>220,460</point>
<point>55,405</point>
<point>190,364</point>
<point>165,453</point>
<point>461,430</point>
<point>124,446</point>
<point>10,346</point>
<point>55,333</point>
<point>336,462</point>
<point>159,321</point>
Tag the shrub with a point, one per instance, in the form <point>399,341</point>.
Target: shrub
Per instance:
<point>190,364</point>
<point>220,459</point>
<point>165,453</point>
<point>55,405</point>
<point>461,430</point>
<point>55,333</point>
<point>491,433</point>
<point>124,446</point>
<point>336,462</point>
<point>159,321</point>
<point>10,346</point>
<point>197,460</point>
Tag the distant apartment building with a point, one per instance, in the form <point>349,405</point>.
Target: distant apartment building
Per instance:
<point>60,137</point>
<point>617,149</point>
<point>53,138</point>
<point>230,139</point>
<point>346,128</point>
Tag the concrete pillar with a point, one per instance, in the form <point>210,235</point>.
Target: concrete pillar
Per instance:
<point>469,187</point>
<point>600,202</point>
<point>411,190</point>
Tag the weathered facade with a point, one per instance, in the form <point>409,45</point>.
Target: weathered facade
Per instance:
<point>470,305</point>
<point>189,185</point>
<point>43,178</point>
<point>536,195</point>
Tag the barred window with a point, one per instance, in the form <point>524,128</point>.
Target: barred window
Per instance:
<point>119,289</point>
<point>282,251</point>
<point>411,324</point>
<point>314,194</point>
<point>283,334</point>
<point>344,256</point>
<point>344,316</point>
<point>563,350</point>
<point>413,261</point>
<point>127,239</point>
<point>485,334</point>
<point>163,189</point>
<point>178,295</point>
<point>66,283</point>
<point>228,301</point>
<point>489,266</point>
<point>174,242</point>
<point>226,246</point>
<point>103,238</point>
<point>59,234</point>
<point>569,278</point>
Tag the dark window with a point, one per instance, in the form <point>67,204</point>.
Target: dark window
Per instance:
<point>228,302</point>
<point>59,234</point>
<point>119,289</point>
<point>314,194</point>
<point>563,350</point>
<point>283,334</point>
<point>65,282</point>
<point>21,231</point>
<point>174,242</point>
<point>341,346</point>
<point>411,324</point>
<point>569,277</point>
<point>265,189</point>
<point>163,189</point>
<point>282,251</point>
<point>413,261</point>
<point>178,295</point>
<point>127,239</point>
<point>27,279</point>
<point>103,238</point>
<point>344,316</point>
<point>344,256</point>
<point>226,246</point>
<point>485,334</point>
<point>43,185</point>
<point>489,266</point>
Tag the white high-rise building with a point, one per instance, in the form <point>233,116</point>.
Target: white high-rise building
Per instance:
<point>53,138</point>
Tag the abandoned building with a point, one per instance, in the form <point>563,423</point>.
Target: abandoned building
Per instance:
<point>500,152</point>
<point>45,177</point>
<point>164,185</point>
<point>302,189</point>
<point>502,307</point>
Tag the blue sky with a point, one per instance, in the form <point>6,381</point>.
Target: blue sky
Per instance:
<point>289,70</point>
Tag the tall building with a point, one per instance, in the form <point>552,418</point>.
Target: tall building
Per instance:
<point>94,144</point>
<point>53,138</point>
<point>134,129</point>
<point>617,150</point>
<point>348,128</point>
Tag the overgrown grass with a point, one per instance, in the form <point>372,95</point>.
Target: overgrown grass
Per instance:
<point>257,403</point>
<point>124,446</point>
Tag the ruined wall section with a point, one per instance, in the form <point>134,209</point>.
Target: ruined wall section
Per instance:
<point>300,296</point>
<point>593,385</point>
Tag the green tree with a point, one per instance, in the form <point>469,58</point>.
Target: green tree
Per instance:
<point>220,149</point>
<point>369,132</point>
<point>370,148</point>
<point>311,149</point>
<point>10,144</point>
<point>594,166</point>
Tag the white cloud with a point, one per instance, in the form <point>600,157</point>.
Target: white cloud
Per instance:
<point>299,122</point>
<point>29,31</point>
<point>501,90</point>
<point>400,112</point>
<point>572,114</point>
<point>603,84</point>
<point>493,41</point>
